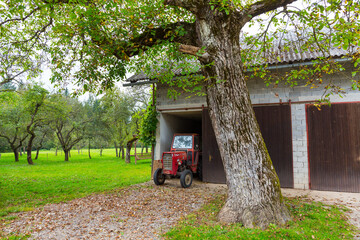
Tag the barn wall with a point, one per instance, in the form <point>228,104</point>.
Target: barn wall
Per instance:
<point>260,94</point>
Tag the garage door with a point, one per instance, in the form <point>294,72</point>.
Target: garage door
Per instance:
<point>334,147</point>
<point>275,126</point>
<point>213,168</point>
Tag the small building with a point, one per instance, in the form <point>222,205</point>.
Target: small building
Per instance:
<point>310,148</point>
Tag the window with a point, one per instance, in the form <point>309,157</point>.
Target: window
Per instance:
<point>182,142</point>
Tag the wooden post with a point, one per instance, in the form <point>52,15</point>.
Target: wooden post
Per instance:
<point>135,152</point>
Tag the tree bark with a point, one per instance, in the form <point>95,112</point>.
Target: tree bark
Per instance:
<point>146,149</point>
<point>254,194</point>
<point>56,149</point>
<point>89,150</point>
<point>16,154</point>
<point>101,149</point>
<point>37,153</point>
<point>29,148</point>
<point>66,153</point>
<point>20,151</point>
<point>122,152</point>
<point>128,148</point>
<point>116,150</point>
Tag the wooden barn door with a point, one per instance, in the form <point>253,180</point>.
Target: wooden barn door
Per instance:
<point>275,126</point>
<point>213,168</point>
<point>334,147</point>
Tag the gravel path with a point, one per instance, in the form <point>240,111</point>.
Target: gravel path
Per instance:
<point>139,212</point>
<point>142,211</point>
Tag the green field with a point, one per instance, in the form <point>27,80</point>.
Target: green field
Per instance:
<point>51,179</point>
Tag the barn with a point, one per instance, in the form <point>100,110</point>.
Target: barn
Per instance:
<point>311,147</point>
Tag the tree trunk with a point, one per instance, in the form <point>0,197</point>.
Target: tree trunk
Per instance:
<point>37,153</point>
<point>146,149</point>
<point>142,149</point>
<point>56,151</point>
<point>128,149</point>
<point>101,149</point>
<point>23,148</point>
<point>16,154</point>
<point>116,150</point>
<point>66,153</point>
<point>20,151</point>
<point>70,153</point>
<point>89,150</point>
<point>254,194</point>
<point>29,148</point>
<point>122,152</point>
<point>78,149</point>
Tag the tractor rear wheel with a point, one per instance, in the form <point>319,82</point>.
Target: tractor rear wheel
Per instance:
<point>159,177</point>
<point>186,178</point>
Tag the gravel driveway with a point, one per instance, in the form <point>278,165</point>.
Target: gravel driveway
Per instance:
<point>142,211</point>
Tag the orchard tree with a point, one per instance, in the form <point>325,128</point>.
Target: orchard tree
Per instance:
<point>69,122</point>
<point>35,106</point>
<point>44,134</point>
<point>93,42</point>
<point>12,117</point>
<point>119,107</point>
<point>96,129</point>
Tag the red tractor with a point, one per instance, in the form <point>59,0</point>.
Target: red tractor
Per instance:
<point>182,161</point>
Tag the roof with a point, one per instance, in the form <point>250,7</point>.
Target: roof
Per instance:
<point>292,47</point>
<point>285,49</point>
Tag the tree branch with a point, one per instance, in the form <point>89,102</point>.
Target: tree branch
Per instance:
<point>20,19</point>
<point>261,7</point>
<point>195,51</point>
<point>191,5</point>
<point>125,49</point>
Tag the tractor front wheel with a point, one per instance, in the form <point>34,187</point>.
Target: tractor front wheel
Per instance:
<point>186,178</point>
<point>159,177</point>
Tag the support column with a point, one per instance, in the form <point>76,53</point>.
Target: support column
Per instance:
<point>300,151</point>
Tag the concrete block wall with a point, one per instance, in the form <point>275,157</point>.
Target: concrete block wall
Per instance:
<point>299,143</point>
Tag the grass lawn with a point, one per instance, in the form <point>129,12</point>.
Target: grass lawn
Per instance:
<point>51,179</point>
<point>310,221</point>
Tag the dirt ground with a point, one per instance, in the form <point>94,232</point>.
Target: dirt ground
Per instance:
<point>143,211</point>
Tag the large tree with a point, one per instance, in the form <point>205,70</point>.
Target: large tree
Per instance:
<point>92,43</point>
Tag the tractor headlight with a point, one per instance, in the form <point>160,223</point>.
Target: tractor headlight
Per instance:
<point>179,162</point>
